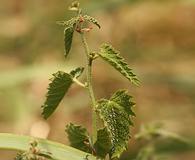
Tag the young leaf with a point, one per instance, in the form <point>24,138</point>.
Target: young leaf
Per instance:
<point>78,137</point>
<point>103,144</point>
<point>115,114</point>
<point>92,20</point>
<point>74,6</point>
<point>68,32</point>
<point>60,83</point>
<point>68,35</point>
<point>69,23</point>
<point>110,55</point>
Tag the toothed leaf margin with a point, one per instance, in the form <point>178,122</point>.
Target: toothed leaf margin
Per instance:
<point>78,137</point>
<point>60,83</point>
<point>116,114</point>
<point>92,20</point>
<point>112,56</point>
<point>68,35</point>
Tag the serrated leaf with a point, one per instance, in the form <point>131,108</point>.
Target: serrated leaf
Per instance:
<point>116,114</point>
<point>112,56</point>
<point>60,83</point>
<point>68,32</point>
<point>77,72</point>
<point>68,35</point>
<point>121,97</point>
<point>69,23</point>
<point>78,137</point>
<point>92,20</point>
<point>103,144</point>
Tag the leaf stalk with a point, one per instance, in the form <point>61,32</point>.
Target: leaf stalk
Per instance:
<point>84,85</point>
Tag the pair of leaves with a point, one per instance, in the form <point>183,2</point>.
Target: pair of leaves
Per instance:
<point>116,114</point>
<point>60,83</point>
<point>70,26</point>
<point>112,56</point>
<point>79,138</point>
<point>107,53</point>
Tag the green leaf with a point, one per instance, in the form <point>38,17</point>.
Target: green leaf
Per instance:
<point>60,83</point>
<point>58,151</point>
<point>77,72</point>
<point>116,114</point>
<point>69,23</point>
<point>103,144</point>
<point>68,33</point>
<point>110,55</point>
<point>92,20</point>
<point>78,137</point>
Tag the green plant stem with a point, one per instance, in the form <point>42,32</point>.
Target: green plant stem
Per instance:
<point>90,88</point>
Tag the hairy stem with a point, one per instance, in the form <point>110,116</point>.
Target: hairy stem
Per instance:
<point>90,88</point>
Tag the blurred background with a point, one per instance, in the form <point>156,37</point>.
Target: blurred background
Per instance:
<point>157,38</point>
